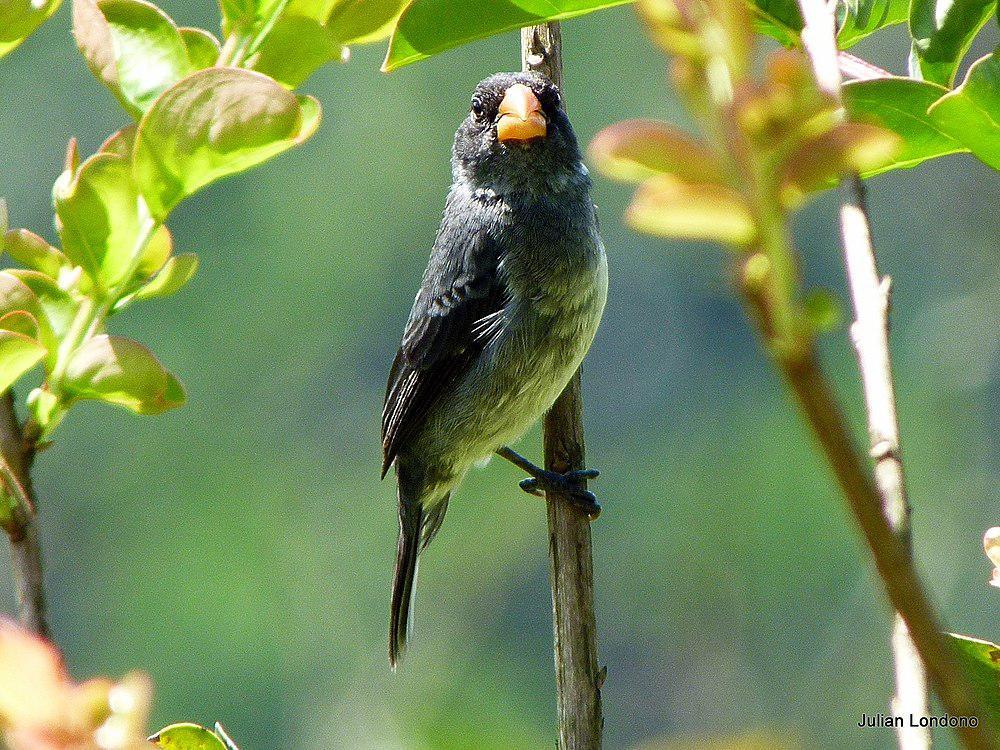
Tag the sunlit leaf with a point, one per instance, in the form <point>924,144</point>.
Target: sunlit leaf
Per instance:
<point>980,661</point>
<point>30,250</point>
<point>18,354</point>
<point>123,372</point>
<point>296,48</point>
<point>637,149</point>
<point>20,18</point>
<point>427,27</point>
<point>971,113</point>
<point>54,310</point>
<point>17,296</point>
<point>670,29</point>
<point>943,31</point>
<point>202,48</point>
<point>363,21</point>
<point>779,19</point>
<point>863,17</point>
<point>820,160</point>
<point>20,321</point>
<point>900,105</point>
<point>132,47</point>
<point>666,207</point>
<point>177,272</point>
<point>120,143</point>
<point>213,124</point>
<point>155,254</point>
<point>187,737</point>
<point>99,219</point>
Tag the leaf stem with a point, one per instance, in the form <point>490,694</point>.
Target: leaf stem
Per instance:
<point>578,676</point>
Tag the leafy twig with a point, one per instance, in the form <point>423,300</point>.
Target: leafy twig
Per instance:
<point>870,295</point>
<point>578,677</point>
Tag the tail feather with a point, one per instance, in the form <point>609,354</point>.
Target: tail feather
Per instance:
<point>411,517</point>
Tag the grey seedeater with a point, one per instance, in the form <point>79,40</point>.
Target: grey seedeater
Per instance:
<point>508,307</point>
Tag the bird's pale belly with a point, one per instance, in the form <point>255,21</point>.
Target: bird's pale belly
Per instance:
<point>515,380</point>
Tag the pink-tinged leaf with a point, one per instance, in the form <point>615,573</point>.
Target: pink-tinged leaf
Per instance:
<point>635,150</point>
<point>666,207</point>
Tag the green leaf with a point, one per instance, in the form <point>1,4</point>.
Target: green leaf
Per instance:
<point>177,272</point>
<point>202,47</point>
<point>637,149</point>
<point>132,47</point>
<point>427,27</point>
<point>900,105</point>
<point>20,18</point>
<point>18,354</point>
<point>779,19</point>
<point>123,372</point>
<point>971,113</point>
<point>98,218</point>
<point>120,143</point>
<point>213,124</point>
<point>187,737</point>
<point>863,17</point>
<point>30,250</point>
<point>666,207</point>
<point>295,48</point>
<point>20,321</point>
<point>363,21</point>
<point>54,310</point>
<point>980,661</point>
<point>943,31</point>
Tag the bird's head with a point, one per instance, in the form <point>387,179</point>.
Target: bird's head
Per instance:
<point>517,136</point>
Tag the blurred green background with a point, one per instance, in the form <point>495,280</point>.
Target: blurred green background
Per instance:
<point>240,549</point>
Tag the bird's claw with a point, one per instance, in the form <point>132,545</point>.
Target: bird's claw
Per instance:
<point>567,484</point>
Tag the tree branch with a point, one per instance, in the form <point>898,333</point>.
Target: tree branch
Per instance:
<point>578,677</point>
<point>16,457</point>
<point>870,296</point>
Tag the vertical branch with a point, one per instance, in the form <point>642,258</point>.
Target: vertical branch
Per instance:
<point>578,677</point>
<point>16,457</point>
<point>870,296</point>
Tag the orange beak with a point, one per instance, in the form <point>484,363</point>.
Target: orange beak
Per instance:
<point>521,116</point>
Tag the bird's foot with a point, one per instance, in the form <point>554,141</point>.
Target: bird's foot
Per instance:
<point>570,484</point>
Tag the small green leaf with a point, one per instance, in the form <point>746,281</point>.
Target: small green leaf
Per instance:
<point>54,308</point>
<point>30,250</point>
<point>17,296</point>
<point>155,254</point>
<point>943,31</point>
<point>122,372</point>
<point>971,113</point>
<point>202,47</point>
<point>427,27</point>
<point>120,143</point>
<point>98,218</point>
<point>980,661</point>
<point>363,21</point>
<point>634,150</point>
<point>20,321</point>
<point>213,124</point>
<point>778,19</point>
<point>863,17</point>
<point>175,274</point>
<point>20,18</point>
<point>900,105</point>
<point>666,207</point>
<point>132,47</point>
<point>296,47</point>
<point>18,354</point>
<point>187,737</point>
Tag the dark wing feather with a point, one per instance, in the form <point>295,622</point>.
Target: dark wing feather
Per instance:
<point>456,313</point>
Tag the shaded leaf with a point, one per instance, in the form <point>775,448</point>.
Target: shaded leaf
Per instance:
<point>863,17</point>
<point>213,124</point>
<point>132,47</point>
<point>900,105</point>
<point>666,207</point>
<point>778,19</point>
<point>295,48</point>
<point>821,160</point>
<point>202,47</point>
<point>637,149</point>
<point>187,737</point>
<point>98,218</point>
<point>980,661</point>
<point>20,18</point>
<point>971,113</point>
<point>123,372</point>
<point>427,27</point>
<point>823,310</point>
<point>30,250</point>
<point>943,31</point>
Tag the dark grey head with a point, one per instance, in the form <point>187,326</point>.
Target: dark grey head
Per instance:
<point>517,137</point>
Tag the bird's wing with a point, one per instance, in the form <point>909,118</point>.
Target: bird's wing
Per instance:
<point>457,312</point>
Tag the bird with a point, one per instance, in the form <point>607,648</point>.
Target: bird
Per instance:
<point>507,309</point>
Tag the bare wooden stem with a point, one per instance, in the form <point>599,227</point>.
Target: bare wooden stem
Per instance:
<point>870,296</point>
<point>16,457</point>
<point>578,677</point>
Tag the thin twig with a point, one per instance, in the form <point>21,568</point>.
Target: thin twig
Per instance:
<point>870,295</point>
<point>578,677</point>
<point>16,457</point>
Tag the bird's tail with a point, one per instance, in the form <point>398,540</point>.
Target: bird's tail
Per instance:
<point>417,527</point>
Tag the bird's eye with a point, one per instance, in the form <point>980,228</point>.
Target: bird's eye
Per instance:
<point>478,108</point>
